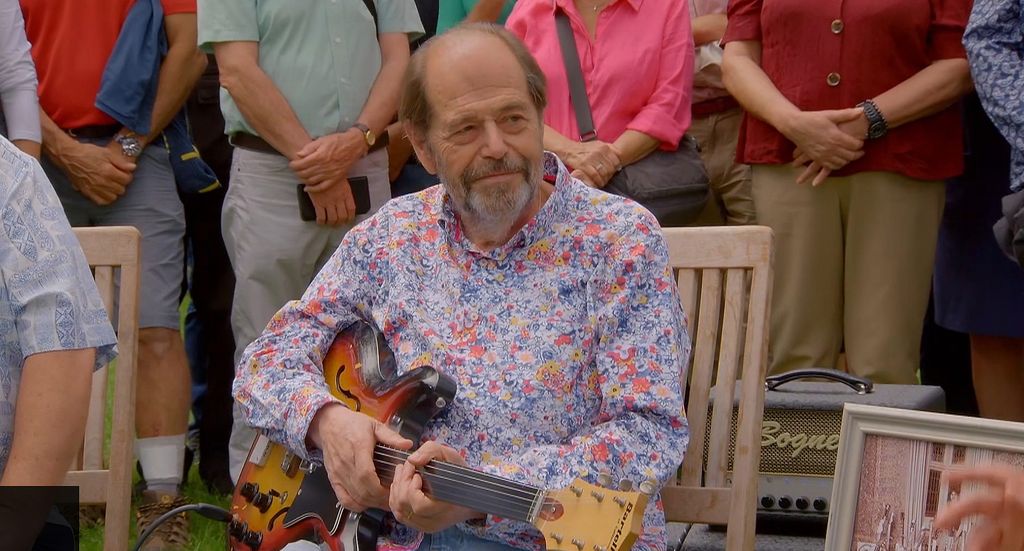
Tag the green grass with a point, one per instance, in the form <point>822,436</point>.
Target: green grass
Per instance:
<point>206,534</point>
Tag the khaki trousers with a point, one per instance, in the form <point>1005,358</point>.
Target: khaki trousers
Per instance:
<point>730,201</point>
<point>275,254</point>
<point>853,267</point>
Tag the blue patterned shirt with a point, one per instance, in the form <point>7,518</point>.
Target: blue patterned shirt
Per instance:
<point>48,298</point>
<point>995,48</point>
<point>567,343</point>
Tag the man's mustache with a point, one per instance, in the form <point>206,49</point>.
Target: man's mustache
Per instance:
<point>492,168</point>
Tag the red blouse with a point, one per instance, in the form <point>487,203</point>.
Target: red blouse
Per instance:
<point>833,54</point>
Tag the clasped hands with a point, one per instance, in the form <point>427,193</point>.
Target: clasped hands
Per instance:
<point>348,438</point>
<point>101,173</point>
<point>826,141</point>
<point>594,162</point>
<point>323,165</point>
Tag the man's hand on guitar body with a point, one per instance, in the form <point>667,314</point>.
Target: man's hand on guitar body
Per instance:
<point>347,439</point>
<point>412,507</point>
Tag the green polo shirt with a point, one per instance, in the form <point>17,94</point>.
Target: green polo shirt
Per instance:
<point>323,55</point>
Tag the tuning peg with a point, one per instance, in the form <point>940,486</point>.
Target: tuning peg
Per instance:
<point>648,487</point>
<point>626,485</point>
<point>605,479</point>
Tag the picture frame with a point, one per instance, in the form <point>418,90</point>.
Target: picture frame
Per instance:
<point>898,456</point>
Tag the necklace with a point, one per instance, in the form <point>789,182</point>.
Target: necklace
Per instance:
<point>598,7</point>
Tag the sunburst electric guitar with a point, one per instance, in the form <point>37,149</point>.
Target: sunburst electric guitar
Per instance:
<point>280,499</point>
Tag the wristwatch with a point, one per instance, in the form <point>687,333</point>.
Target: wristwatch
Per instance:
<point>368,135</point>
<point>130,145</point>
<point>877,125</point>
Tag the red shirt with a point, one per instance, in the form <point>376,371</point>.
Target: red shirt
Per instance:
<point>638,71</point>
<point>867,46</point>
<point>71,41</point>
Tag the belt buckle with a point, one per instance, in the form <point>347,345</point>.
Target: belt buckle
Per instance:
<point>589,136</point>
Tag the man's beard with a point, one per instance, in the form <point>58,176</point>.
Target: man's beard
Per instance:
<point>500,205</point>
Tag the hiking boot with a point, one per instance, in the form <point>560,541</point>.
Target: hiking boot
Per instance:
<point>173,534</point>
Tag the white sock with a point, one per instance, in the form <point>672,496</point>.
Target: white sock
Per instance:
<point>162,458</point>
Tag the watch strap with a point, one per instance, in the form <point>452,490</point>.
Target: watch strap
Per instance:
<point>877,125</point>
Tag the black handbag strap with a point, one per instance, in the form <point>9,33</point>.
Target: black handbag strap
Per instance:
<point>574,74</point>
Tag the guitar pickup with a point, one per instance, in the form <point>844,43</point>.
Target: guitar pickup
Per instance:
<point>260,451</point>
<point>290,464</point>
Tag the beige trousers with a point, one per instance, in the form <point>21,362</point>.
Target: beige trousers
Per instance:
<point>853,268</point>
<point>275,254</point>
<point>730,201</point>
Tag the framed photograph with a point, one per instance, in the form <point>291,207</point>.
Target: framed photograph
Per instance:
<point>889,482</point>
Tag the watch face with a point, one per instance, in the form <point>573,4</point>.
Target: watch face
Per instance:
<point>130,145</point>
<point>877,130</point>
<point>370,137</point>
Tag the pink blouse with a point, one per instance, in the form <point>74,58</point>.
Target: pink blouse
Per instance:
<point>638,70</point>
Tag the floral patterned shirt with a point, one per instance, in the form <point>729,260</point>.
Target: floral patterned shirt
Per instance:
<point>567,343</point>
<point>48,298</point>
<point>995,47</point>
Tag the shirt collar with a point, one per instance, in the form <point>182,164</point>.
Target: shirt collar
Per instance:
<point>555,173</point>
<point>569,5</point>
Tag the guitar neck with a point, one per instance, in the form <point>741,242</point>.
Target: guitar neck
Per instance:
<point>466,487</point>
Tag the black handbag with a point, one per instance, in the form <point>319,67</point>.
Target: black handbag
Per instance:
<point>673,185</point>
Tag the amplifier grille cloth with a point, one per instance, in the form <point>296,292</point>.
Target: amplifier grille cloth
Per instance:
<point>812,460</point>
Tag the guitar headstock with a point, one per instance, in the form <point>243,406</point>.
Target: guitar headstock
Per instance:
<point>585,517</point>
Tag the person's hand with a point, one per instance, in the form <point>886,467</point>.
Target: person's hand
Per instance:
<point>100,173</point>
<point>594,162</point>
<point>817,134</point>
<point>412,507</point>
<point>814,171</point>
<point>334,204</point>
<point>1001,509</point>
<point>320,161</point>
<point>347,439</point>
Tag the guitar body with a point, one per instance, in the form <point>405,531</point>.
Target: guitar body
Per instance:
<point>280,499</point>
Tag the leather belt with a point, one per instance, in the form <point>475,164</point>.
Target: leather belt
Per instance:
<point>712,106</point>
<point>94,131</point>
<point>256,143</point>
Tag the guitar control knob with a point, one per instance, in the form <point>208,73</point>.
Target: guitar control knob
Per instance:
<point>237,529</point>
<point>785,502</point>
<point>820,504</point>
<point>803,503</point>
<point>262,502</point>
<point>253,539</point>
<point>767,501</point>
<point>249,490</point>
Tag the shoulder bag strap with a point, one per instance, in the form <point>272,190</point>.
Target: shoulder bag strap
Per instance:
<point>373,13</point>
<point>574,74</point>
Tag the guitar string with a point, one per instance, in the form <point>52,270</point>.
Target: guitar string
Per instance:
<point>522,502</point>
<point>441,483</point>
<point>403,455</point>
<point>528,492</point>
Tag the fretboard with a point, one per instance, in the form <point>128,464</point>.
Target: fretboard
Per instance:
<point>464,486</point>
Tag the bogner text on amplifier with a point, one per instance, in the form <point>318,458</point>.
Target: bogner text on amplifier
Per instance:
<point>800,434</point>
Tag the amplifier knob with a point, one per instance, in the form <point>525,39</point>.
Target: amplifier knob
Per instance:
<point>820,504</point>
<point>767,501</point>
<point>803,503</point>
<point>785,502</point>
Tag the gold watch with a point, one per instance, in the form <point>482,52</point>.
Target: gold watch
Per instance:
<point>368,135</point>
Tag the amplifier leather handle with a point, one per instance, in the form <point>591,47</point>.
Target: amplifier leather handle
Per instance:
<point>858,384</point>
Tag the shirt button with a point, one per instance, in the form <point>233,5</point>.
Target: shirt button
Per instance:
<point>337,41</point>
<point>832,79</point>
<point>837,26</point>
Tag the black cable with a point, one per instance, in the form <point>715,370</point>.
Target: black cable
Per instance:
<point>205,509</point>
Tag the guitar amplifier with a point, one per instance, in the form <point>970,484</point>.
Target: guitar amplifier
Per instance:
<point>800,435</point>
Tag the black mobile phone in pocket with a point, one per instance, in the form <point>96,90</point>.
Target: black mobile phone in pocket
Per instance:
<point>360,194</point>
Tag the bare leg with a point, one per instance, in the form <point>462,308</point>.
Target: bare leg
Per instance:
<point>998,371</point>
<point>162,398</point>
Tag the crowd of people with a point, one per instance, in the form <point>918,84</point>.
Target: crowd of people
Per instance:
<point>294,167</point>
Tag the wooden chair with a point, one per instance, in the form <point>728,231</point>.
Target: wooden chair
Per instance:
<point>110,482</point>
<point>724,276</point>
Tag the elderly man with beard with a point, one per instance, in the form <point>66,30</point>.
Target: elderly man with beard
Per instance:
<point>550,303</point>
